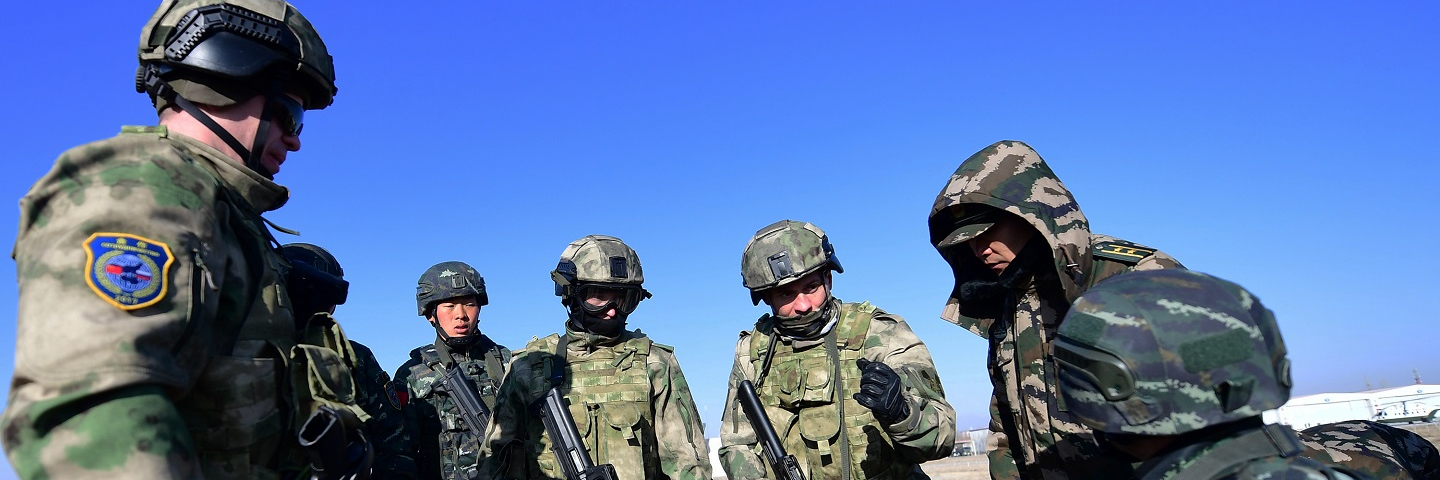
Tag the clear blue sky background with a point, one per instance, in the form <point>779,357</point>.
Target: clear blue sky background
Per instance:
<point>1288,147</point>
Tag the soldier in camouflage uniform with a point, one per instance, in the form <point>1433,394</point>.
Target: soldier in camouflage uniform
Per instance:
<point>627,395</point>
<point>1381,451</point>
<point>1173,369</point>
<point>172,352</point>
<point>316,285</point>
<point>1021,251</point>
<point>446,445</point>
<point>849,389</point>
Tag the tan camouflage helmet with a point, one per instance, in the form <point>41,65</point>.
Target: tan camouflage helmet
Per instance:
<point>598,260</point>
<point>216,52</point>
<point>782,252</point>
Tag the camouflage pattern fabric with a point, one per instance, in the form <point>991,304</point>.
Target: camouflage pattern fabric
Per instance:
<point>440,439</point>
<point>629,399</point>
<point>1012,177</point>
<point>799,395</point>
<point>1188,358</point>
<point>1381,451</point>
<point>155,372</point>
<point>386,427</point>
<point>1268,467</point>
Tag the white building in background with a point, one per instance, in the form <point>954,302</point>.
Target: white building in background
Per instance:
<point>1400,404</point>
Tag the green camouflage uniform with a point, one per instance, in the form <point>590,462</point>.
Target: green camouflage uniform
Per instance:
<point>386,427</point>
<point>441,440</point>
<point>1027,428</point>
<point>1381,451</point>
<point>833,439</point>
<point>178,373</point>
<point>1188,359</point>
<point>630,403</point>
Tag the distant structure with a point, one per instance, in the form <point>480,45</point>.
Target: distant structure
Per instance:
<point>1410,403</point>
<point>971,442</point>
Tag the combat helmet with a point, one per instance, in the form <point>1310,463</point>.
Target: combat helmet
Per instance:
<point>782,252</point>
<point>446,280</point>
<point>599,261</point>
<point>315,280</point>
<point>1166,352</point>
<point>220,52</point>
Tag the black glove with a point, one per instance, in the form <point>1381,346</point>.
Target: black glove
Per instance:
<point>880,391</point>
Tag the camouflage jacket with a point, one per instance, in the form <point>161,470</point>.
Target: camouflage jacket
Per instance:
<point>442,442</point>
<point>800,391</point>
<point>1380,451</point>
<point>1244,455</point>
<point>1029,430</point>
<point>153,327</point>
<point>386,427</point>
<point>629,400</point>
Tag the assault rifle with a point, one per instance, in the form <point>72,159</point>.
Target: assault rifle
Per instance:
<point>784,464</point>
<point>566,443</point>
<point>460,388</point>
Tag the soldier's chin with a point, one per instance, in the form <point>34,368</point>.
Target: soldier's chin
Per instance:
<point>271,164</point>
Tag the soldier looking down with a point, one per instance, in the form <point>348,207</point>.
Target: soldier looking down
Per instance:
<point>1021,251</point>
<point>1173,369</point>
<point>626,394</point>
<point>849,389</point>
<point>449,295</point>
<point>173,354</point>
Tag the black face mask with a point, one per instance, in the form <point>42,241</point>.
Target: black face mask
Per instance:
<point>591,324</point>
<point>807,326</point>
<point>983,296</point>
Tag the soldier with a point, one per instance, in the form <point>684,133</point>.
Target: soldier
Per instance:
<point>169,354</point>
<point>850,391</point>
<point>626,394</point>
<point>449,295</point>
<point>1381,451</point>
<point>1021,251</point>
<point>316,285</point>
<point>1173,369</point>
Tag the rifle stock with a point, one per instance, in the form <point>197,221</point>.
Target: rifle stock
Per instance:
<point>783,464</point>
<point>566,443</point>
<point>463,391</point>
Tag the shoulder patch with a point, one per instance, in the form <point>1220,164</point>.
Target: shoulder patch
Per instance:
<point>1127,253</point>
<point>398,394</point>
<point>127,271</point>
<point>663,347</point>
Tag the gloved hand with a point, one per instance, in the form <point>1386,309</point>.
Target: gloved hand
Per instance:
<point>880,391</point>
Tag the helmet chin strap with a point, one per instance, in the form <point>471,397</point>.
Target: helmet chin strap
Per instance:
<point>252,156</point>
<point>464,341</point>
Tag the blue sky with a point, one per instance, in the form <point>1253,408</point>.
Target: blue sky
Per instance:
<point>1287,148</point>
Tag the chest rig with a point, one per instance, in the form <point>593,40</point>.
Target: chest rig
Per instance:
<point>807,390</point>
<point>247,404</point>
<point>608,393</point>
<point>459,447</point>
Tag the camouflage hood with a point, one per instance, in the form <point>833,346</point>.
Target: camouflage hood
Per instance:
<point>1010,176</point>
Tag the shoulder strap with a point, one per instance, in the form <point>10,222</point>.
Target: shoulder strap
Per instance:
<point>1123,252</point>
<point>1268,441</point>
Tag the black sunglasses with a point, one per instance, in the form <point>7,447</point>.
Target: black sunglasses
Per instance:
<point>289,114</point>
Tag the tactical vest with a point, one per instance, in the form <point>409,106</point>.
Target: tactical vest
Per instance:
<point>245,407</point>
<point>459,447</point>
<point>830,438</point>
<point>608,393</point>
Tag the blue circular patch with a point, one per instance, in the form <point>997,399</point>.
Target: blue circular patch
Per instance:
<point>128,272</point>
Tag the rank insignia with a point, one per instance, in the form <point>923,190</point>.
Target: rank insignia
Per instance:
<point>128,271</point>
<point>397,393</point>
